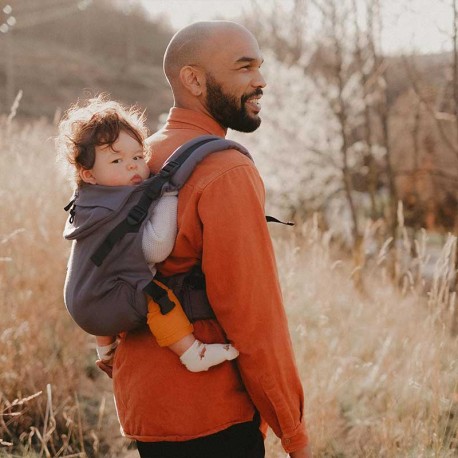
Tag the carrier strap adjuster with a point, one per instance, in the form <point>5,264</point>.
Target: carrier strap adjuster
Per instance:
<point>169,169</point>
<point>136,215</point>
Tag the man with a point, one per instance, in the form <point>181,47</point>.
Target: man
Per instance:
<point>214,71</point>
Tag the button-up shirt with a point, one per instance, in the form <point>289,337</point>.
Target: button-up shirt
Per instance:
<point>221,225</point>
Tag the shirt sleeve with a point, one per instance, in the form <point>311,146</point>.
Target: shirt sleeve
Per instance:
<point>243,288</point>
<point>160,231</point>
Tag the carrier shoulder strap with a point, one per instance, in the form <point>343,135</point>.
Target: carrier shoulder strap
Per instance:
<point>177,169</point>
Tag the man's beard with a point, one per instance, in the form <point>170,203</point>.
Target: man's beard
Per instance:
<point>224,108</point>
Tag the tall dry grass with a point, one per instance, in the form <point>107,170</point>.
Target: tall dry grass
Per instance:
<point>379,369</point>
<point>52,401</point>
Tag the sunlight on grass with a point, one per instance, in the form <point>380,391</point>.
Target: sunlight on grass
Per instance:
<point>379,367</point>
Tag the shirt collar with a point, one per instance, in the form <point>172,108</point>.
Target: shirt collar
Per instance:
<point>182,118</point>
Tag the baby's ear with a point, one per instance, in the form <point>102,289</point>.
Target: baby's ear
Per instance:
<point>87,177</point>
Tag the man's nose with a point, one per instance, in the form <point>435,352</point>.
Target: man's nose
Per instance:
<point>259,80</point>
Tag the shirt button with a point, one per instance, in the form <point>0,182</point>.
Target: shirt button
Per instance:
<point>287,441</point>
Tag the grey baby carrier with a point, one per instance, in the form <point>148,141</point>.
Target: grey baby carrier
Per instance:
<point>107,275</point>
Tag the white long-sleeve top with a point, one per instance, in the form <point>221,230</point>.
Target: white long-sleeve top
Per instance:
<point>160,231</point>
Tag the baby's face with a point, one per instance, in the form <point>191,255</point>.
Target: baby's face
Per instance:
<point>122,164</point>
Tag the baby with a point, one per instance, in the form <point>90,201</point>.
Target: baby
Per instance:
<point>103,142</point>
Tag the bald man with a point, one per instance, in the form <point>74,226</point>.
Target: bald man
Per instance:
<point>214,72</point>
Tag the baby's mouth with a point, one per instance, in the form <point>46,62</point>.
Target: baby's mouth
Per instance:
<point>136,179</point>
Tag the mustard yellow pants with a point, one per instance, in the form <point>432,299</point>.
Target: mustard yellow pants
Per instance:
<point>171,327</point>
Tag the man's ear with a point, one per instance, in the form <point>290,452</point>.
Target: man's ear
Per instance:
<point>87,177</point>
<point>192,79</point>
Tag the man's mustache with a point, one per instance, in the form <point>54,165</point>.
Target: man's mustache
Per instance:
<point>258,91</point>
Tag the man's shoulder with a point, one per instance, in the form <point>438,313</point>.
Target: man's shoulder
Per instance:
<point>162,145</point>
<point>218,164</point>
<point>227,159</point>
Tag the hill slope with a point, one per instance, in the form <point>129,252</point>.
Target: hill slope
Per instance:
<point>100,48</point>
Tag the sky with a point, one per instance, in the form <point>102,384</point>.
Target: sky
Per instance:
<point>409,25</point>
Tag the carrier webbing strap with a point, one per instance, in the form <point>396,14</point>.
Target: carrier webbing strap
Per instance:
<point>131,223</point>
<point>138,213</point>
<point>159,293</point>
<point>190,290</point>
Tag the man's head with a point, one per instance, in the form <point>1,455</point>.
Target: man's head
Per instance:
<point>214,67</point>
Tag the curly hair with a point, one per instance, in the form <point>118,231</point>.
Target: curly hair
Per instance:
<point>91,123</point>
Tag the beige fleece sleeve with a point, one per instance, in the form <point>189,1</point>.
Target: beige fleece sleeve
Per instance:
<point>160,230</point>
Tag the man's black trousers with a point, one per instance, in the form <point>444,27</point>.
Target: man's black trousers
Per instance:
<point>243,440</point>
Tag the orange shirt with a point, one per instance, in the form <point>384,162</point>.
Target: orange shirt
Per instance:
<point>220,224</point>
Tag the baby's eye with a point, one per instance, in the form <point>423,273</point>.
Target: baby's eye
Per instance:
<point>116,161</point>
<point>139,157</point>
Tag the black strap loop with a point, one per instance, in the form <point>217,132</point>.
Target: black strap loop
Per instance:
<point>271,219</point>
<point>71,207</point>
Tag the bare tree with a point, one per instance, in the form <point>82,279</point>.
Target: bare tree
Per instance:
<point>441,108</point>
<point>345,62</point>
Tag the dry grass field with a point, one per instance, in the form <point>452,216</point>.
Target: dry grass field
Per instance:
<point>379,369</point>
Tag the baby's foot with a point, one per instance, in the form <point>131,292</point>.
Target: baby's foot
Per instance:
<point>200,356</point>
